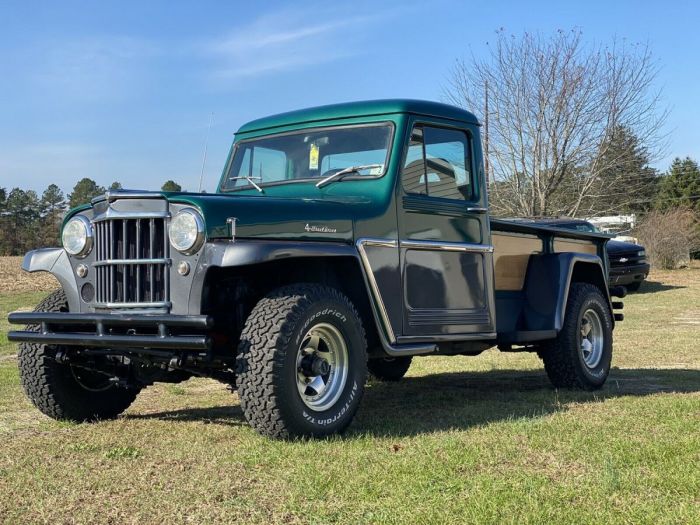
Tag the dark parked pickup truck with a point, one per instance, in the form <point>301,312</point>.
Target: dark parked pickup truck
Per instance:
<point>628,264</point>
<point>628,261</point>
<point>341,240</point>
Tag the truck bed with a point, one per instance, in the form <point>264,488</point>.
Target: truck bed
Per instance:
<point>519,306</point>
<point>514,243</point>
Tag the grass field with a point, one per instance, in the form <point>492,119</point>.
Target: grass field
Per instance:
<point>460,440</point>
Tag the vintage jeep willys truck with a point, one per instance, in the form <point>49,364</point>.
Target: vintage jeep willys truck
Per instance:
<point>341,239</point>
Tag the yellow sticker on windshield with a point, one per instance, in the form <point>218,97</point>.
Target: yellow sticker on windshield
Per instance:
<point>313,157</point>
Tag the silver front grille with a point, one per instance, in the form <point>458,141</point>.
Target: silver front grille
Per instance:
<point>132,261</point>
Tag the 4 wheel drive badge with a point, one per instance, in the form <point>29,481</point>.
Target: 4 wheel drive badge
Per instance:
<point>319,229</point>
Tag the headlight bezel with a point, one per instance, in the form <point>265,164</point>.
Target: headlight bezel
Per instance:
<point>199,237</point>
<point>89,238</point>
<point>642,253</point>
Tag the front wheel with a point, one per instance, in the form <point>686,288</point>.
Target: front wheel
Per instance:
<point>302,362</point>
<point>63,391</point>
<point>581,354</point>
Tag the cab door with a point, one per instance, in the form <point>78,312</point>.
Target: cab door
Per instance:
<point>446,257</point>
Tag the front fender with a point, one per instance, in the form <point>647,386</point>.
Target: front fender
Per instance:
<point>242,253</point>
<point>55,261</point>
<point>227,254</point>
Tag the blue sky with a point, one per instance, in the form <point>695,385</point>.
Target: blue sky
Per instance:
<point>124,90</point>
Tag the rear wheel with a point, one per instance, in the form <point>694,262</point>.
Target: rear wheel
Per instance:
<point>302,362</point>
<point>389,368</point>
<point>64,391</point>
<point>581,354</point>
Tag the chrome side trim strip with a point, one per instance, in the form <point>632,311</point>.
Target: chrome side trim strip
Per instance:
<point>446,246</point>
<point>383,243</point>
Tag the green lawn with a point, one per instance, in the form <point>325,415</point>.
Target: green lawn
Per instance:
<point>460,440</point>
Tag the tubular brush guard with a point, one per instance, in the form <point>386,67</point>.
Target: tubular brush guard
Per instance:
<point>149,332</point>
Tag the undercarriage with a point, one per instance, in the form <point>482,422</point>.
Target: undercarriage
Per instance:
<point>129,350</point>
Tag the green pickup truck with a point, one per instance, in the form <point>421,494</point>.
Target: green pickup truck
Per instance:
<point>342,240</point>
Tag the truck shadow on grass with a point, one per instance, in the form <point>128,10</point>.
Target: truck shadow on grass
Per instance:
<point>466,399</point>
<point>654,287</point>
<point>460,400</point>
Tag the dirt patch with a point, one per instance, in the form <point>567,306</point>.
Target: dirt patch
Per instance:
<point>14,280</point>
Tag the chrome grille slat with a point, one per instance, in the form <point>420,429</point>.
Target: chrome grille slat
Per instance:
<point>151,231</point>
<point>132,261</point>
<point>138,268</point>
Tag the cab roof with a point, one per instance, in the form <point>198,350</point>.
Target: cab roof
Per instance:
<point>361,109</point>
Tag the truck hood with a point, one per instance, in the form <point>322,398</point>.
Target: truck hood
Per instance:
<point>269,217</point>
<point>623,247</point>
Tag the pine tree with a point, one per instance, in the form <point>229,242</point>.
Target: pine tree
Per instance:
<point>53,205</point>
<point>4,248</point>
<point>626,184</point>
<point>84,191</point>
<point>21,225</point>
<point>116,185</point>
<point>680,186</point>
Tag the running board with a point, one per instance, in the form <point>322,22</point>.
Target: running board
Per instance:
<point>409,349</point>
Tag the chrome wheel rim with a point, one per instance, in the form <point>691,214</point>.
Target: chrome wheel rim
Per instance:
<point>322,367</point>
<point>592,338</point>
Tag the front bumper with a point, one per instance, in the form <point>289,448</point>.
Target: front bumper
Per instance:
<point>118,332</point>
<point>628,274</point>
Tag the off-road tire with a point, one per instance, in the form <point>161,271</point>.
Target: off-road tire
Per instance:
<point>563,358</point>
<point>389,368</point>
<point>53,387</point>
<point>267,368</point>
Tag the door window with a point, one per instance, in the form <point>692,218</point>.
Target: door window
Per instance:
<point>438,163</point>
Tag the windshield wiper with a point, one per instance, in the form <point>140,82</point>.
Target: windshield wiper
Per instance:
<point>251,181</point>
<point>345,171</point>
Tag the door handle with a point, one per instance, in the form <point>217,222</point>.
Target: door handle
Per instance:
<point>476,209</point>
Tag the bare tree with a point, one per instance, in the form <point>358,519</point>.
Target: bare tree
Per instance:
<point>670,236</point>
<point>555,105</point>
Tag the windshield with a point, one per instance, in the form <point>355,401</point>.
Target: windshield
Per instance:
<point>310,154</point>
<point>580,226</point>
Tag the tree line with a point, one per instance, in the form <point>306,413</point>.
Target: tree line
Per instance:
<point>29,221</point>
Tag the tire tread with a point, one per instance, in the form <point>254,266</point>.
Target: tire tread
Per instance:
<point>262,351</point>
<point>44,380</point>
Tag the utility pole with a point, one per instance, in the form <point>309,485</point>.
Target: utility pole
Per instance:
<point>487,167</point>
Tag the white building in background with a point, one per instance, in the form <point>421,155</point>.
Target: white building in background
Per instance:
<point>620,225</point>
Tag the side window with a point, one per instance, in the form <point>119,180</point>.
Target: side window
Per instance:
<point>443,168</point>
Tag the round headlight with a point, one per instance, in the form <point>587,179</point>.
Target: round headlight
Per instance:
<point>187,231</point>
<point>77,236</point>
